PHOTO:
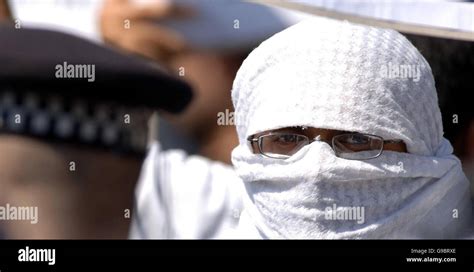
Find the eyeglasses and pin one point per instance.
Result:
(352, 146)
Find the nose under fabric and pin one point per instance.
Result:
(331, 74)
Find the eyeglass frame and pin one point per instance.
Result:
(253, 139)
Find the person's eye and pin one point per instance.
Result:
(358, 139)
(287, 139)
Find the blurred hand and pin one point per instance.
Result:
(5, 14)
(133, 26)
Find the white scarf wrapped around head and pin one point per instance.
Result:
(330, 74)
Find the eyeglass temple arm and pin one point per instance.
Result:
(252, 139)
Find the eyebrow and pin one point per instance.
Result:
(280, 130)
(300, 129)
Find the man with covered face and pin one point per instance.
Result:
(340, 136)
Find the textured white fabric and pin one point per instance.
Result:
(185, 197)
(398, 193)
(328, 74)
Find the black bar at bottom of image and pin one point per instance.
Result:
(65, 255)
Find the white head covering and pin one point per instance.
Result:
(330, 74)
